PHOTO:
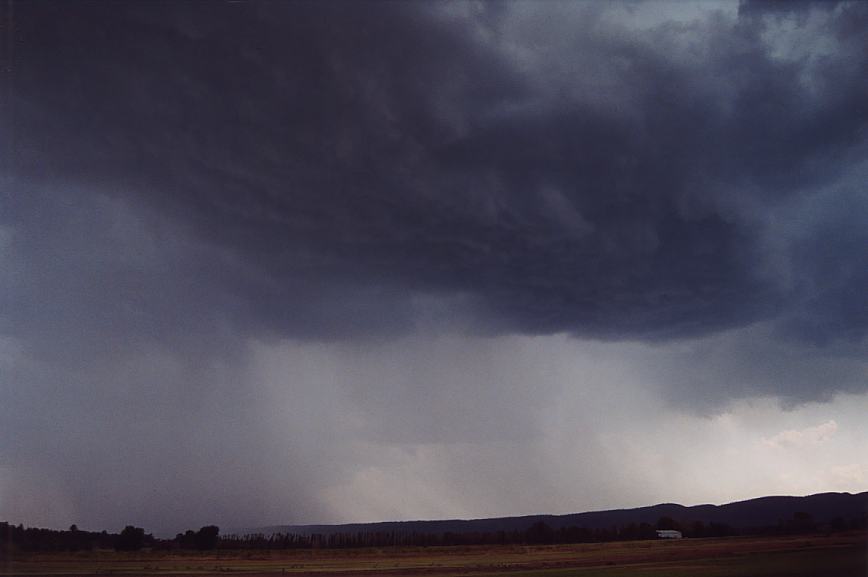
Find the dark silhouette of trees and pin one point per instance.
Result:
(186, 540)
(539, 533)
(18, 538)
(206, 538)
(668, 523)
(130, 539)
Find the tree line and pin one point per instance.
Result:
(538, 533)
(131, 538)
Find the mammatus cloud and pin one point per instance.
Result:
(297, 253)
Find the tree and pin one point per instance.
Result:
(207, 537)
(130, 539)
(802, 522)
(539, 532)
(668, 523)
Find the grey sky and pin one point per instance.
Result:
(305, 262)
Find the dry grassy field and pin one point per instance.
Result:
(844, 555)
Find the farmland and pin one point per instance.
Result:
(840, 555)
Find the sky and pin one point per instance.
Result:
(280, 263)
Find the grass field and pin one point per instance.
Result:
(844, 555)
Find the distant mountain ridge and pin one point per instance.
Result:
(759, 512)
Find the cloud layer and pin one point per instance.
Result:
(553, 169)
(302, 255)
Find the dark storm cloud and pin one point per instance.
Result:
(229, 230)
(404, 151)
(409, 151)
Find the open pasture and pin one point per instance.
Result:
(806, 556)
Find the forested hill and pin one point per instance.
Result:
(761, 512)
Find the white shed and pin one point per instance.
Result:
(669, 534)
